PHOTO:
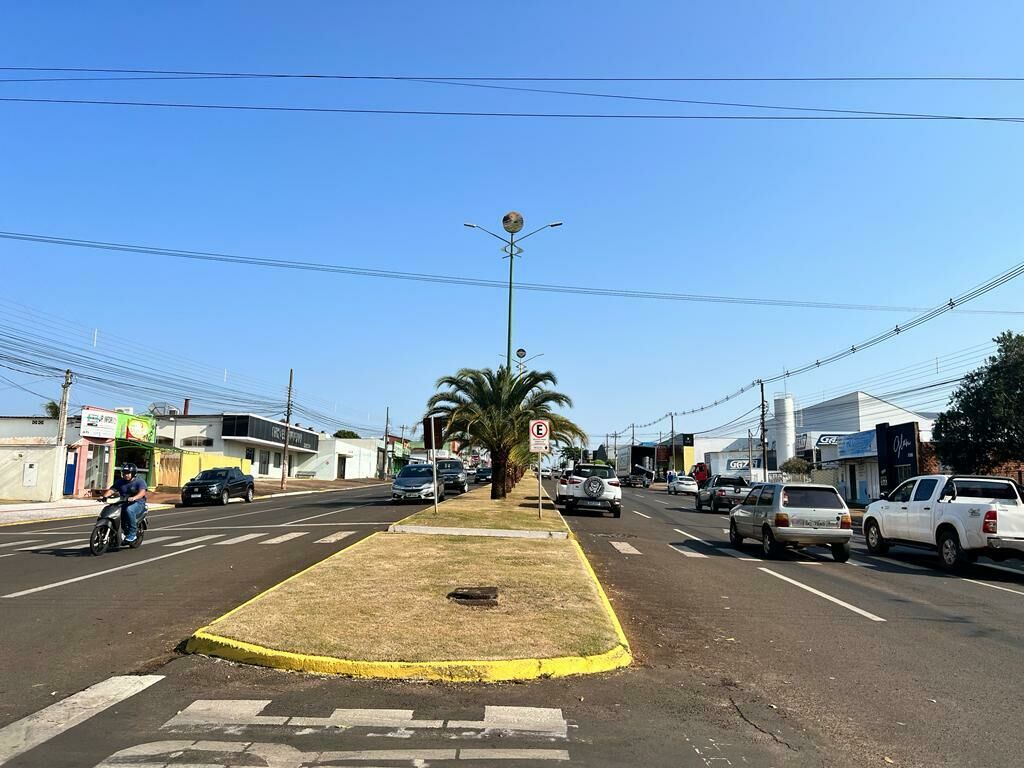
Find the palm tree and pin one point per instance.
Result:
(52, 409)
(492, 410)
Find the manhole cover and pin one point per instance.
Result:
(482, 596)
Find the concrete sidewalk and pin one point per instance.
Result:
(32, 512)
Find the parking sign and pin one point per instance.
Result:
(540, 436)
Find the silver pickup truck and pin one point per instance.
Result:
(721, 492)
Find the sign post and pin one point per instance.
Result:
(540, 443)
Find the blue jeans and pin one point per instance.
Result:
(129, 515)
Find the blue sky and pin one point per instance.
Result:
(905, 213)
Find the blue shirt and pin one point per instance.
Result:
(131, 487)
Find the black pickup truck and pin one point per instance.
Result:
(721, 492)
(218, 486)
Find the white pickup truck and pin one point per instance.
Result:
(960, 516)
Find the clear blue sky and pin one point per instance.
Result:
(868, 212)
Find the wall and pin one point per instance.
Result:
(193, 463)
(12, 462)
(28, 426)
(362, 463)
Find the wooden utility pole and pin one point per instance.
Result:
(672, 425)
(387, 428)
(287, 430)
(750, 454)
(764, 434)
(59, 459)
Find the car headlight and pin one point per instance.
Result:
(426, 486)
(462, 475)
(215, 488)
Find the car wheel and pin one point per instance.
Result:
(877, 545)
(617, 512)
(225, 497)
(465, 488)
(841, 552)
(952, 556)
(249, 495)
(769, 545)
(186, 502)
(714, 507)
(734, 536)
(698, 504)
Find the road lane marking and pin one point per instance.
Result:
(813, 591)
(691, 536)
(641, 514)
(995, 586)
(1004, 568)
(334, 537)
(900, 564)
(227, 517)
(624, 548)
(286, 537)
(725, 517)
(12, 554)
(662, 502)
(16, 543)
(239, 539)
(41, 726)
(685, 552)
(808, 562)
(54, 545)
(314, 517)
(196, 540)
(158, 539)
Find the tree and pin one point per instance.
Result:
(492, 410)
(343, 433)
(983, 428)
(52, 409)
(796, 466)
(569, 453)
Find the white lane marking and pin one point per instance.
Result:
(196, 540)
(286, 537)
(41, 726)
(686, 553)
(662, 502)
(725, 530)
(98, 573)
(900, 564)
(334, 537)
(725, 517)
(158, 539)
(12, 554)
(691, 536)
(16, 543)
(808, 562)
(624, 548)
(54, 545)
(494, 753)
(641, 514)
(995, 586)
(813, 591)
(227, 517)
(239, 539)
(314, 517)
(1004, 568)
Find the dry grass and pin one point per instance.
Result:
(385, 600)
(517, 511)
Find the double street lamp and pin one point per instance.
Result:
(512, 223)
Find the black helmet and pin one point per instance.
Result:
(129, 469)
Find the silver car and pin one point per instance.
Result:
(416, 482)
(793, 515)
(682, 484)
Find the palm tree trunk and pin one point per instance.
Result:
(499, 474)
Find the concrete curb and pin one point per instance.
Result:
(152, 508)
(505, 533)
(205, 641)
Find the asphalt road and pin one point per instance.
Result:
(735, 664)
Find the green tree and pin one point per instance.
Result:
(569, 453)
(983, 426)
(796, 466)
(52, 409)
(343, 433)
(492, 410)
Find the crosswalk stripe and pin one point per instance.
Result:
(16, 543)
(334, 537)
(159, 539)
(240, 539)
(686, 553)
(196, 540)
(54, 545)
(624, 548)
(286, 537)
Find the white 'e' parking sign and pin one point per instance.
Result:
(540, 436)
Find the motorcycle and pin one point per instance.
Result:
(107, 533)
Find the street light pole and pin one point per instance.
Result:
(511, 262)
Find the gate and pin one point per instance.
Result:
(170, 469)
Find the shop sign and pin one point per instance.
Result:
(99, 423)
(828, 440)
(858, 445)
(141, 428)
(897, 453)
(801, 443)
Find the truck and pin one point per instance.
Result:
(959, 516)
(721, 491)
(634, 465)
(218, 486)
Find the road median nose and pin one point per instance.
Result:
(381, 608)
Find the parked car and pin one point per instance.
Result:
(218, 485)
(961, 516)
(454, 475)
(546, 473)
(636, 480)
(416, 482)
(683, 484)
(720, 491)
(562, 487)
(593, 486)
(483, 475)
(793, 515)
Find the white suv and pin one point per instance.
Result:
(593, 486)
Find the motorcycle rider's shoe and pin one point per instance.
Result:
(130, 539)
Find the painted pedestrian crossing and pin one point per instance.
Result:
(285, 537)
(240, 539)
(176, 541)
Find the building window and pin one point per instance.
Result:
(197, 440)
(164, 441)
(264, 462)
(277, 459)
(250, 454)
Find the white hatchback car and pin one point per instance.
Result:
(593, 486)
(683, 484)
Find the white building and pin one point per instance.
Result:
(344, 458)
(28, 457)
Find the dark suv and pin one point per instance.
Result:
(454, 475)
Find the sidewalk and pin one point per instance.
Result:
(384, 607)
(266, 489)
(33, 512)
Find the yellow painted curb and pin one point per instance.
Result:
(206, 642)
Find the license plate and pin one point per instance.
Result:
(590, 503)
(196, 495)
(814, 524)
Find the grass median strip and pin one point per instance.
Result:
(476, 509)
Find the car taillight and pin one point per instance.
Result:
(561, 481)
(846, 522)
(615, 483)
(991, 522)
(781, 520)
(721, 492)
(574, 481)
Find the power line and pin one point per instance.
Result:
(472, 113)
(458, 280)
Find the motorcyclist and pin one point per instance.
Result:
(132, 489)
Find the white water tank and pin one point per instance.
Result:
(785, 429)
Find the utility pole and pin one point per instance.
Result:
(387, 428)
(287, 429)
(59, 461)
(764, 433)
(657, 447)
(672, 425)
(632, 437)
(750, 454)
